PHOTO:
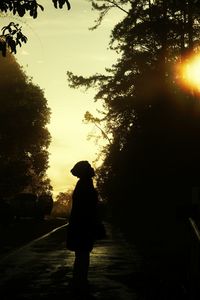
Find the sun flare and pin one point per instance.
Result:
(189, 73)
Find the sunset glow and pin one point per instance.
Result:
(60, 41)
(188, 73)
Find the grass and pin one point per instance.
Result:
(18, 233)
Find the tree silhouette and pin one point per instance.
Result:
(12, 35)
(153, 160)
(24, 137)
(62, 205)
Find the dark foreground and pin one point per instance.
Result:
(43, 270)
(18, 233)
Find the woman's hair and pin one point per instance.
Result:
(82, 169)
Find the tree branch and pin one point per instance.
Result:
(115, 4)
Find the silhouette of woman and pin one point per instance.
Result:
(82, 222)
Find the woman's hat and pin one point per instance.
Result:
(82, 169)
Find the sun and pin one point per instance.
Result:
(188, 73)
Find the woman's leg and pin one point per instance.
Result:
(81, 265)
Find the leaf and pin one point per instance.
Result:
(55, 3)
(21, 11)
(41, 7)
(61, 3)
(68, 5)
(35, 13)
(24, 39)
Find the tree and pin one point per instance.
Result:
(24, 137)
(62, 205)
(152, 162)
(152, 37)
(12, 35)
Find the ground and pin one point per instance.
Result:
(18, 233)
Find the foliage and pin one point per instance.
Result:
(12, 35)
(152, 36)
(64, 198)
(154, 124)
(104, 8)
(62, 205)
(24, 137)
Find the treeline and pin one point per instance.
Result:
(152, 160)
(62, 205)
(24, 137)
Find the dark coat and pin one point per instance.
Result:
(83, 218)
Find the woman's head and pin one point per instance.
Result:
(83, 169)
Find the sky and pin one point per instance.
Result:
(60, 41)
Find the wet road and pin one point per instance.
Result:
(43, 269)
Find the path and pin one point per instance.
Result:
(43, 269)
